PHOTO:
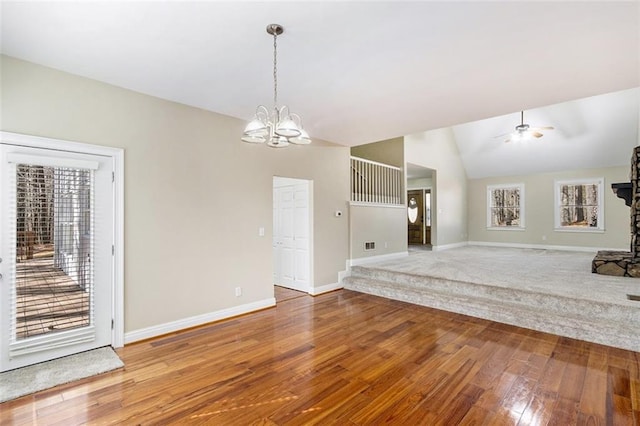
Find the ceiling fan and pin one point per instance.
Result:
(524, 132)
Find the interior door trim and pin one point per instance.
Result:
(117, 155)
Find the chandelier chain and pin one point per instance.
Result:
(275, 70)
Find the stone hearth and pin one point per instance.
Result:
(618, 263)
(625, 263)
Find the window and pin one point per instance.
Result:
(505, 206)
(412, 210)
(579, 205)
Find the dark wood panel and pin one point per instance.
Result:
(350, 358)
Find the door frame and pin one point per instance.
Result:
(117, 155)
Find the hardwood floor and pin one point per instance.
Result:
(283, 294)
(350, 358)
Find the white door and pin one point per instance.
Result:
(284, 239)
(291, 234)
(56, 262)
(301, 242)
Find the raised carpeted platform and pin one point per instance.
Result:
(545, 290)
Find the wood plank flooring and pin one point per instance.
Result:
(283, 294)
(351, 359)
(47, 298)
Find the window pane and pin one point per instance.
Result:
(54, 280)
(578, 205)
(505, 207)
(412, 210)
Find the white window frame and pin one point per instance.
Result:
(599, 181)
(490, 189)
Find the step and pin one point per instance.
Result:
(546, 318)
(625, 312)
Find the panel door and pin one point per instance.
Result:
(291, 242)
(301, 236)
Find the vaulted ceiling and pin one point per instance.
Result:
(598, 131)
(357, 72)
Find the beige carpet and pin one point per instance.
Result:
(564, 273)
(34, 378)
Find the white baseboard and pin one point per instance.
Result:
(325, 288)
(170, 327)
(449, 246)
(379, 258)
(542, 246)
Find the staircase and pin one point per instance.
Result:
(601, 322)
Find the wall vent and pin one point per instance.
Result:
(370, 245)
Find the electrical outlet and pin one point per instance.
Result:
(238, 291)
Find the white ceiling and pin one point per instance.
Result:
(357, 72)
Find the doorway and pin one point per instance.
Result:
(419, 217)
(57, 256)
(292, 233)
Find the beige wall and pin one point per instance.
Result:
(437, 150)
(195, 196)
(390, 151)
(420, 183)
(539, 211)
(386, 226)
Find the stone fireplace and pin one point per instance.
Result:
(625, 263)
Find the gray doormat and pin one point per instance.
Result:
(37, 377)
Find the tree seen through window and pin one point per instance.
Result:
(505, 206)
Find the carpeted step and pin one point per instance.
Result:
(624, 312)
(580, 319)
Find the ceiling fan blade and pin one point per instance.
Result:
(502, 135)
(523, 129)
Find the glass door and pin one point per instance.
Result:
(56, 265)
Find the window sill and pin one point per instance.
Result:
(505, 228)
(579, 230)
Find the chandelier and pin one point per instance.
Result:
(278, 127)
